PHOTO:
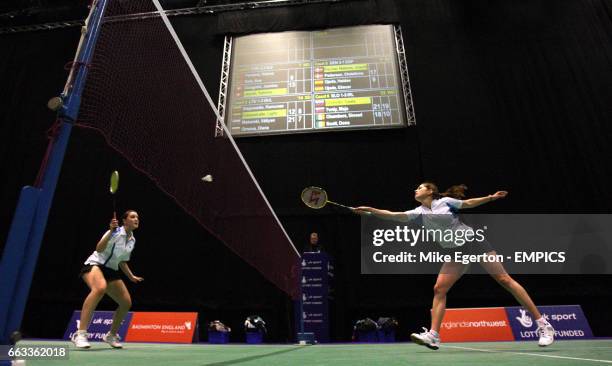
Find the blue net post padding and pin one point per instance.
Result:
(30, 219)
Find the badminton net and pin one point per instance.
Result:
(144, 97)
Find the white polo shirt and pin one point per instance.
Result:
(117, 250)
(435, 217)
(442, 206)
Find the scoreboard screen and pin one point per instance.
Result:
(292, 82)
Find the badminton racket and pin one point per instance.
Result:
(114, 186)
(316, 197)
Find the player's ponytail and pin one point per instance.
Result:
(457, 191)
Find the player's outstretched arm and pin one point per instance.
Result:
(383, 214)
(475, 202)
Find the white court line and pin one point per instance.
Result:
(530, 354)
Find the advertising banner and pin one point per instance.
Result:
(315, 292)
(141, 326)
(99, 326)
(568, 320)
(476, 325)
(162, 327)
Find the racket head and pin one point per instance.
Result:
(314, 197)
(114, 182)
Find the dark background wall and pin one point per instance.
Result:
(508, 95)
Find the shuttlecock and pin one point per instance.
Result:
(207, 178)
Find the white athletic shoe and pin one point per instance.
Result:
(547, 335)
(113, 340)
(426, 339)
(79, 338)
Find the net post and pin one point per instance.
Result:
(28, 227)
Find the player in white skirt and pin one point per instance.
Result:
(435, 203)
(101, 274)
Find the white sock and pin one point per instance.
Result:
(541, 322)
(434, 333)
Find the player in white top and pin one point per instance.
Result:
(435, 203)
(101, 274)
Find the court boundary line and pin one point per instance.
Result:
(529, 354)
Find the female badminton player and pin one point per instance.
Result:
(435, 203)
(101, 274)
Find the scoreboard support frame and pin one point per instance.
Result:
(403, 67)
(225, 76)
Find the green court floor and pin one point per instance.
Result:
(561, 353)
